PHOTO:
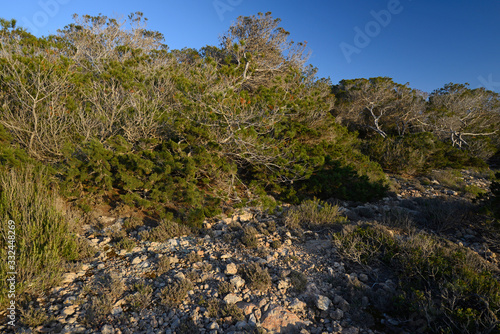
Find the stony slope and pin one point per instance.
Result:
(204, 283)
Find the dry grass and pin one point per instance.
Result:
(165, 230)
(313, 214)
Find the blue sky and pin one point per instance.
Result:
(423, 42)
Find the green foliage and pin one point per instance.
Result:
(148, 178)
(174, 293)
(342, 182)
(225, 288)
(453, 287)
(418, 153)
(10, 155)
(42, 239)
(298, 280)
(257, 278)
(249, 237)
(313, 214)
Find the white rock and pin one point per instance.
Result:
(241, 324)
(232, 298)
(213, 325)
(69, 310)
(252, 321)
(237, 281)
(231, 269)
(297, 305)
(107, 329)
(68, 278)
(323, 302)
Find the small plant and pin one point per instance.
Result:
(126, 243)
(474, 190)
(193, 275)
(165, 230)
(174, 293)
(258, 278)
(365, 244)
(449, 178)
(298, 280)
(225, 288)
(164, 265)
(131, 223)
(271, 226)
(193, 257)
(233, 311)
(442, 214)
(312, 214)
(249, 238)
(142, 297)
(188, 327)
(110, 287)
(275, 244)
(33, 317)
(213, 307)
(290, 259)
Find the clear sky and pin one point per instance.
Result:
(424, 42)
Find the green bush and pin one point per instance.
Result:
(451, 287)
(249, 237)
(44, 239)
(175, 293)
(313, 214)
(417, 153)
(257, 278)
(152, 179)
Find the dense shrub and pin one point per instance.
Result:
(43, 236)
(313, 214)
(418, 153)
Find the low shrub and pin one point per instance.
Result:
(298, 280)
(453, 288)
(225, 288)
(166, 229)
(104, 292)
(164, 265)
(257, 278)
(334, 180)
(249, 237)
(442, 214)
(142, 297)
(40, 235)
(174, 293)
(417, 153)
(313, 214)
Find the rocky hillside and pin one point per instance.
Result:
(292, 271)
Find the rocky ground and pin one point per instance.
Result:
(204, 284)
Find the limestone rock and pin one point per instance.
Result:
(279, 320)
(231, 269)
